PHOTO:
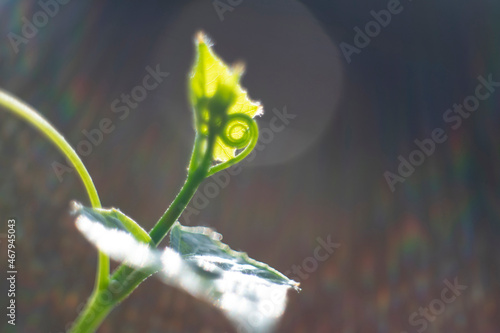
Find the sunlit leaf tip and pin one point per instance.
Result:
(221, 106)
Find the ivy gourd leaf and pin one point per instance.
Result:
(112, 218)
(250, 293)
(216, 93)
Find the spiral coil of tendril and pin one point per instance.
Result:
(236, 132)
(239, 131)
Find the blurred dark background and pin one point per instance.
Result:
(321, 176)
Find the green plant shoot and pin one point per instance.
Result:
(197, 261)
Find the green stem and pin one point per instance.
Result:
(193, 181)
(97, 308)
(25, 112)
(100, 304)
(174, 211)
(20, 109)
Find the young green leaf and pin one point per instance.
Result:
(250, 293)
(118, 236)
(111, 218)
(221, 106)
(203, 244)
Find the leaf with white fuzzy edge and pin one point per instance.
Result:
(115, 234)
(112, 218)
(250, 293)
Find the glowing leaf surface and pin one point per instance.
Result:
(250, 293)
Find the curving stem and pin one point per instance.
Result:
(25, 112)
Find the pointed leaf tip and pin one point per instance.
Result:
(216, 93)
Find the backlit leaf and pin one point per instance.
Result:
(216, 93)
(250, 293)
(111, 218)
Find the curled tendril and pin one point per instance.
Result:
(236, 131)
(239, 131)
